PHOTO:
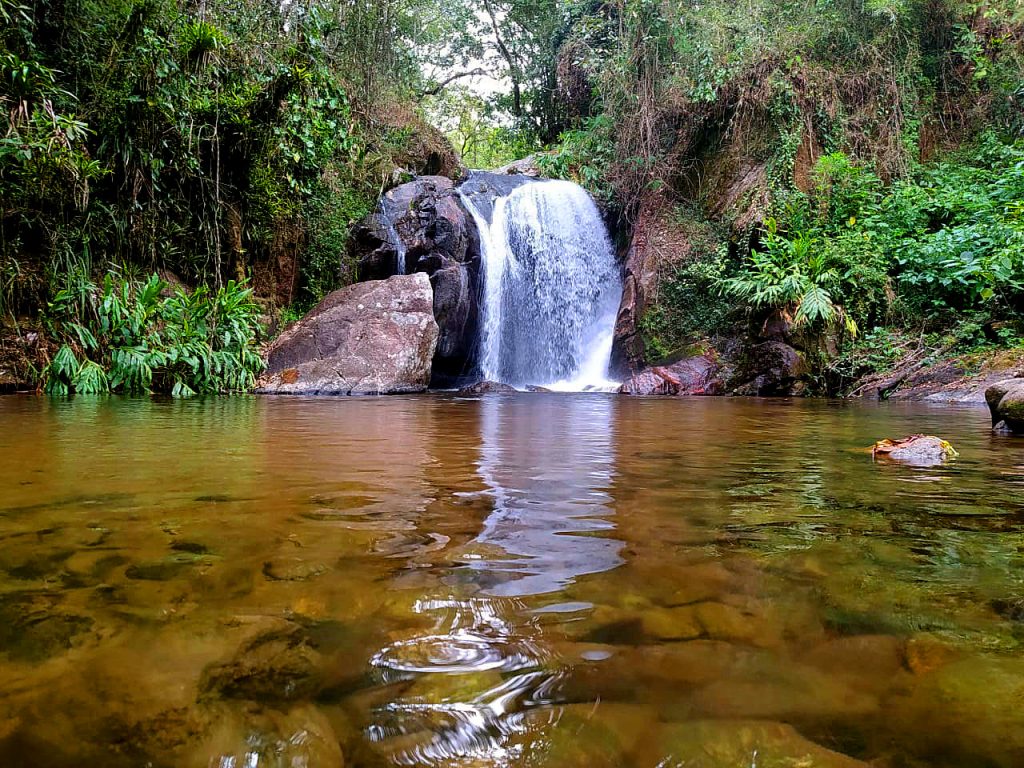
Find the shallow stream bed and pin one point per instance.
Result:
(509, 580)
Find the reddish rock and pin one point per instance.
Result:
(689, 376)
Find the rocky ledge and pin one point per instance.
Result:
(370, 338)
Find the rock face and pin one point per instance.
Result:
(690, 376)
(771, 368)
(376, 337)
(1005, 401)
(422, 226)
(639, 279)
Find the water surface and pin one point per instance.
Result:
(512, 580)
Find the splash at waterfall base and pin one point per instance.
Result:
(526, 291)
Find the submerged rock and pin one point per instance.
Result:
(276, 663)
(733, 743)
(916, 449)
(690, 376)
(965, 713)
(369, 338)
(1005, 401)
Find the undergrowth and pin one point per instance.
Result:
(141, 337)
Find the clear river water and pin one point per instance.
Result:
(510, 580)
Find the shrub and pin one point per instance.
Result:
(135, 338)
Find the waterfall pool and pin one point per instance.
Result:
(518, 580)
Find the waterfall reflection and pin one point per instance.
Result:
(473, 683)
(548, 462)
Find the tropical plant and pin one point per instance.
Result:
(141, 337)
(792, 274)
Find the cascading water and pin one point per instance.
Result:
(551, 288)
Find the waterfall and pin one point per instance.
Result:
(551, 288)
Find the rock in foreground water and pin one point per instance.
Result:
(1005, 401)
(369, 338)
(732, 743)
(916, 449)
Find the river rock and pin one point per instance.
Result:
(965, 713)
(486, 388)
(771, 368)
(921, 450)
(275, 663)
(690, 376)
(1005, 401)
(733, 743)
(376, 337)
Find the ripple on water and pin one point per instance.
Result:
(470, 679)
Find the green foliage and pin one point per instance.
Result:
(791, 273)
(583, 156)
(688, 308)
(140, 337)
(157, 136)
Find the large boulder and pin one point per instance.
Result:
(696, 375)
(420, 224)
(1005, 401)
(769, 369)
(376, 337)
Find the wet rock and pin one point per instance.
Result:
(1005, 401)
(734, 743)
(35, 627)
(486, 388)
(275, 663)
(369, 338)
(921, 450)
(292, 569)
(421, 221)
(456, 315)
(965, 713)
(696, 375)
(536, 388)
(424, 225)
(769, 369)
(639, 281)
(484, 187)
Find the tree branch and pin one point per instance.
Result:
(438, 87)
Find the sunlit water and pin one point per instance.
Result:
(512, 580)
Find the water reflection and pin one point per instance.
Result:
(549, 469)
(547, 465)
